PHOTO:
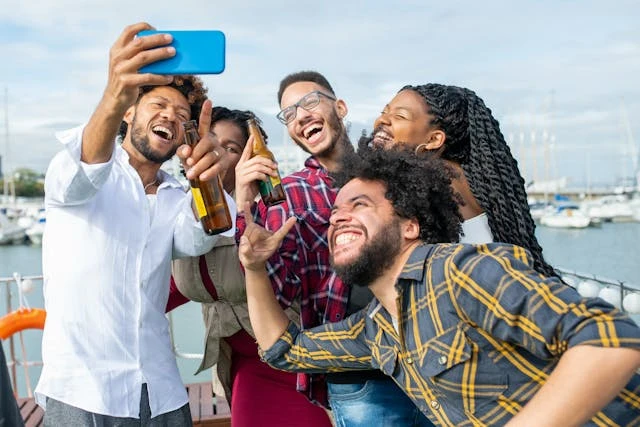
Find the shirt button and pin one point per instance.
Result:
(442, 360)
(409, 360)
(435, 404)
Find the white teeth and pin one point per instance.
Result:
(345, 238)
(382, 135)
(163, 129)
(308, 130)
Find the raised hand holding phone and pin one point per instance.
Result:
(126, 56)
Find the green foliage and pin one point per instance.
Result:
(28, 183)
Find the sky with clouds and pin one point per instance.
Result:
(556, 74)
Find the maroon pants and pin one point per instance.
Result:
(263, 396)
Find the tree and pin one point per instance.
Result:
(28, 183)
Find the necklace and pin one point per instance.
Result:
(151, 184)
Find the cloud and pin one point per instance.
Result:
(575, 63)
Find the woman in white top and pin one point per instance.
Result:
(455, 124)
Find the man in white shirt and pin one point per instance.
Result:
(114, 222)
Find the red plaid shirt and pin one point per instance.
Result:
(300, 269)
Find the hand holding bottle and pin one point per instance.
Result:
(271, 189)
(249, 171)
(208, 196)
(204, 160)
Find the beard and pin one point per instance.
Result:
(140, 141)
(339, 136)
(375, 258)
(365, 143)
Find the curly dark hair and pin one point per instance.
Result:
(191, 87)
(304, 76)
(474, 140)
(416, 187)
(239, 118)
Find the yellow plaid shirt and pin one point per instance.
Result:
(479, 333)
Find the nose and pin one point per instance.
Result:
(339, 216)
(301, 113)
(169, 113)
(383, 119)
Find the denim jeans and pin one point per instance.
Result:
(378, 402)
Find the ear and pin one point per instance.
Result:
(341, 108)
(411, 229)
(435, 140)
(128, 116)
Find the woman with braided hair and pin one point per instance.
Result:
(455, 124)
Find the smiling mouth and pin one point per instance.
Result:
(163, 132)
(346, 238)
(310, 131)
(381, 137)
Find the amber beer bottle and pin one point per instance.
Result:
(271, 191)
(208, 196)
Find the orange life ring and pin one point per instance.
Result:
(21, 319)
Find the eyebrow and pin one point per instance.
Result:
(400, 108)
(167, 100)
(352, 200)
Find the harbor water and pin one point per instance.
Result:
(611, 251)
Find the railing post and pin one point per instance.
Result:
(12, 350)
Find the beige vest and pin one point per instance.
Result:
(227, 315)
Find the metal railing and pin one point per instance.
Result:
(12, 361)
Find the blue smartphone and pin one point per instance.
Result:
(197, 52)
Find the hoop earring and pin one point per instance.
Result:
(420, 149)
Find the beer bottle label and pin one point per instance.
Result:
(275, 181)
(199, 202)
(267, 187)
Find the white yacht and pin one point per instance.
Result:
(567, 216)
(10, 232)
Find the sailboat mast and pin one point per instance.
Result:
(5, 174)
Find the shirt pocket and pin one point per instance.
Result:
(461, 377)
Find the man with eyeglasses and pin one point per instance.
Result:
(300, 269)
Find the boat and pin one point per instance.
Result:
(10, 232)
(615, 208)
(36, 230)
(539, 209)
(566, 216)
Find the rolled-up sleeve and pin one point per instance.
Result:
(331, 347)
(68, 180)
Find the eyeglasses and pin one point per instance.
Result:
(307, 102)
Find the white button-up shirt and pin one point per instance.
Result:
(106, 266)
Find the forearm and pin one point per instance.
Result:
(331, 347)
(585, 380)
(268, 319)
(101, 131)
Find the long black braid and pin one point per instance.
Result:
(474, 139)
